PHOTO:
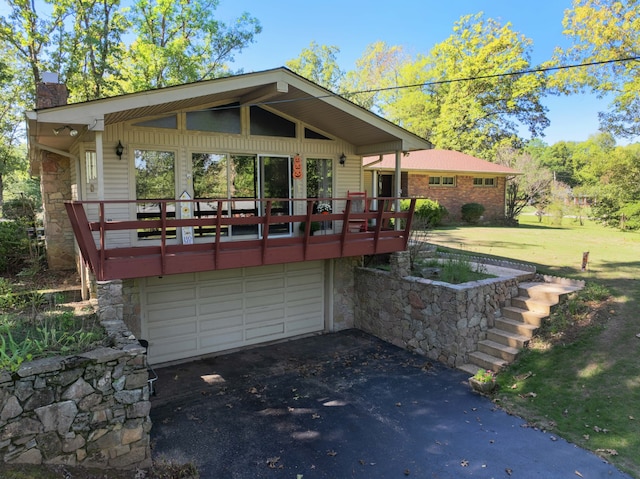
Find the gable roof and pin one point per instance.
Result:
(437, 161)
(282, 90)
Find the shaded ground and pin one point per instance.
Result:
(346, 405)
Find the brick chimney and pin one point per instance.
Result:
(50, 93)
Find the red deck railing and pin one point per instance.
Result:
(229, 234)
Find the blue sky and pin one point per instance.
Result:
(291, 25)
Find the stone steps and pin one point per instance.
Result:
(519, 321)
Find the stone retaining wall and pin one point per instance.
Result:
(439, 320)
(91, 409)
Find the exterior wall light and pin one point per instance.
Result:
(72, 131)
(119, 150)
(343, 159)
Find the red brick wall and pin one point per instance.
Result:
(453, 197)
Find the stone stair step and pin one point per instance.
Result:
(472, 369)
(485, 361)
(508, 338)
(519, 314)
(517, 327)
(498, 350)
(529, 304)
(546, 291)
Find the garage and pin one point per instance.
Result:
(200, 313)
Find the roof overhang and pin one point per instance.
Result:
(280, 90)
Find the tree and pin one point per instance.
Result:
(29, 34)
(483, 112)
(319, 64)
(90, 55)
(180, 42)
(603, 30)
(531, 187)
(12, 155)
(376, 70)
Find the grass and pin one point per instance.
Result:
(32, 327)
(581, 378)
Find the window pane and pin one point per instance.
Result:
(222, 119)
(244, 178)
(155, 174)
(91, 166)
(155, 180)
(263, 122)
(448, 180)
(489, 181)
(477, 182)
(209, 175)
(434, 180)
(319, 178)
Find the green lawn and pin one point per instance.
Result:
(586, 390)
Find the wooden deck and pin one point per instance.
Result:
(165, 254)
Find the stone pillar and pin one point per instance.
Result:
(400, 263)
(55, 185)
(344, 292)
(110, 300)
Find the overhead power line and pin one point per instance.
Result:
(498, 75)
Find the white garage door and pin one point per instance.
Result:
(192, 314)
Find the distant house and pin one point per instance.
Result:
(182, 206)
(450, 177)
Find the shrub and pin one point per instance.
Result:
(472, 212)
(14, 246)
(428, 210)
(20, 208)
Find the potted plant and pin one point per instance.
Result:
(323, 208)
(484, 381)
(315, 226)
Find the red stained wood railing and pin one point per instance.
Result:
(154, 246)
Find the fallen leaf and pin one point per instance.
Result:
(611, 452)
(315, 415)
(464, 463)
(586, 437)
(272, 462)
(577, 473)
(407, 472)
(508, 471)
(631, 418)
(553, 438)
(332, 453)
(398, 404)
(522, 377)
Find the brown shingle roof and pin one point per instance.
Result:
(437, 160)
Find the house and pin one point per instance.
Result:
(189, 209)
(449, 177)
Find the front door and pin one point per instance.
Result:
(275, 174)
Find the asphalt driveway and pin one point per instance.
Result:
(347, 405)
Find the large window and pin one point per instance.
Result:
(319, 178)
(155, 180)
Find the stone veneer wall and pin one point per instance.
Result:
(343, 293)
(91, 409)
(439, 320)
(55, 186)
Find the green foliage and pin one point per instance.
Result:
(599, 31)
(630, 216)
(20, 208)
(32, 328)
(471, 212)
(474, 117)
(14, 246)
(430, 211)
(319, 64)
